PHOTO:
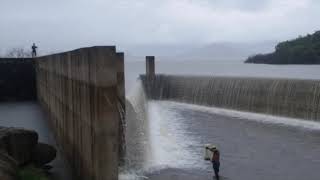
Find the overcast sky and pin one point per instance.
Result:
(65, 24)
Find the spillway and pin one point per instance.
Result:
(170, 118)
(282, 97)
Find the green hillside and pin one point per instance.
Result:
(303, 50)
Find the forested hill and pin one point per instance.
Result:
(303, 50)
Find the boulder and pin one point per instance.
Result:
(8, 167)
(43, 154)
(18, 143)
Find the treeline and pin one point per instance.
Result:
(303, 50)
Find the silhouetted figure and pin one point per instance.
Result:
(34, 50)
(215, 161)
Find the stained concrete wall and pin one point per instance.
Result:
(17, 79)
(282, 97)
(83, 91)
(150, 65)
(121, 104)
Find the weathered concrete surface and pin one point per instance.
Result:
(121, 104)
(283, 97)
(150, 65)
(81, 92)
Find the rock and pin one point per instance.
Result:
(8, 167)
(47, 167)
(18, 143)
(43, 154)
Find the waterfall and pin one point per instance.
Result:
(136, 132)
(283, 97)
(154, 136)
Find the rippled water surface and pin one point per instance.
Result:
(258, 147)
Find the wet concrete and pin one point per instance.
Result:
(30, 115)
(249, 149)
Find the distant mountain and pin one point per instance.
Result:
(303, 50)
(162, 51)
(229, 51)
(214, 51)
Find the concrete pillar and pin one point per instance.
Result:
(150, 66)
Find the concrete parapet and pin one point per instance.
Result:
(82, 90)
(150, 66)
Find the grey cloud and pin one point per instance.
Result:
(245, 5)
(66, 24)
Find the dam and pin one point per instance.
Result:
(82, 94)
(111, 122)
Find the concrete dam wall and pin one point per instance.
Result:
(17, 79)
(83, 92)
(282, 97)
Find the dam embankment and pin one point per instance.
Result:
(281, 97)
(83, 93)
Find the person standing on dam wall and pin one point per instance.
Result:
(34, 50)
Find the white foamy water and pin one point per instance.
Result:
(156, 140)
(170, 140)
(160, 139)
(263, 118)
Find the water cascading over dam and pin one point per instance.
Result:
(169, 118)
(137, 128)
(282, 97)
(157, 138)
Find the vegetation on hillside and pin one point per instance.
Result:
(17, 53)
(303, 50)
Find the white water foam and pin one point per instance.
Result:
(263, 118)
(169, 143)
(169, 139)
